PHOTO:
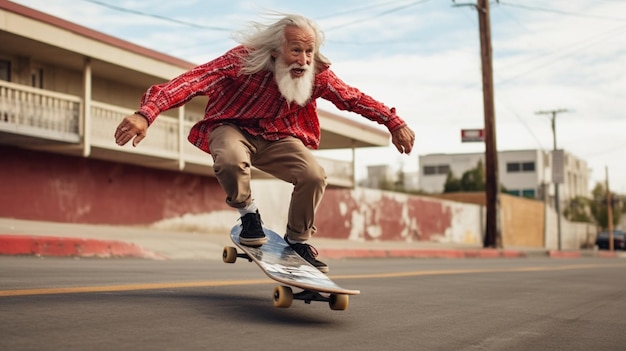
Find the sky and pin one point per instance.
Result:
(423, 57)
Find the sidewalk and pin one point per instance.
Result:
(49, 239)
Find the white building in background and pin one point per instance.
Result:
(525, 173)
(378, 176)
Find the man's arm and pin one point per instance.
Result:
(201, 80)
(351, 99)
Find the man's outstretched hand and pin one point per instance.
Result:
(403, 139)
(131, 127)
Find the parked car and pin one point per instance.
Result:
(602, 240)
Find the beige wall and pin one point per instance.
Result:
(522, 222)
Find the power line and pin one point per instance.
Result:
(355, 10)
(566, 13)
(380, 14)
(163, 18)
(561, 53)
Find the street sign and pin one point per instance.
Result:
(472, 135)
(558, 167)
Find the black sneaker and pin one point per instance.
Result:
(309, 253)
(252, 230)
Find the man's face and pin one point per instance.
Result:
(294, 65)
(298, 50)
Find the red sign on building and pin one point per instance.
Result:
(472, 135)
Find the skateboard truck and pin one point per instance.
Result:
(230, 254)
(283, 296)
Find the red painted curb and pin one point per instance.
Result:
(74, 247)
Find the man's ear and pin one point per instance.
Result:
(275, 53)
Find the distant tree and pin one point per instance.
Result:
(452, 184)
(400, 180)
(471, 180)
(599, 208)
(579, 210)
(474, 179)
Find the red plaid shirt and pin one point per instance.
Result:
(254, 103)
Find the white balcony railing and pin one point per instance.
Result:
(38, 113)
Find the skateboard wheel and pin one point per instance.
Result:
(339, 302)
(229, 255)
(283, 296)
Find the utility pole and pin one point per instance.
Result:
(555, 181)
(492, 188)
(492, 184)
(609, 210)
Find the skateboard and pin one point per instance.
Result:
(281, 263)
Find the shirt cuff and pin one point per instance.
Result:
(395, 122)
(149, 111)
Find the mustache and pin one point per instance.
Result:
(298, 66)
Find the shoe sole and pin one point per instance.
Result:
(254, 242)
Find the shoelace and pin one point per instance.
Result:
(313, 251)
(250, 223)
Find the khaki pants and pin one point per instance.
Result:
(235, 151)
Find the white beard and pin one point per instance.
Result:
(294, 89)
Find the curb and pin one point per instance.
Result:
(48, 246)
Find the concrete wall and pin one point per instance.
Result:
(530, 223)
(53, 187)
(372, 215)
(573, 235)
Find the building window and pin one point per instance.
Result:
(527, 193)
(514, 167)
(36, 78)
(436, 169)
(5, 70)
(528, 167)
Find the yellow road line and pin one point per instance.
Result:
(130, 287)
(218, 283)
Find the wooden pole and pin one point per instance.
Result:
(609, 210)
(492, 232)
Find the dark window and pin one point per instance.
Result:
(512, 167)
(528, 167)
(36, 78)
(5, 70)
(437, 169)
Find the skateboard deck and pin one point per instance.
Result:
(281, 263)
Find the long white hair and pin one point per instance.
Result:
(262, 40)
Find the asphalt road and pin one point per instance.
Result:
(405, 304)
